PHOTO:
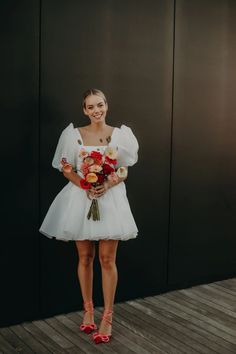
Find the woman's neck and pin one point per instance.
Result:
(98, 127)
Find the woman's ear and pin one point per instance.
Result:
(85, 112)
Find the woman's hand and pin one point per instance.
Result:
(99, 191)
(66, 167)
(91, 193)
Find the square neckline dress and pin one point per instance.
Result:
(66, 218)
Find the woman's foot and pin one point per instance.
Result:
(104, 333)
(88, 324)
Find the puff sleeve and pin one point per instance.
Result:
(66, 147)
(127, 147)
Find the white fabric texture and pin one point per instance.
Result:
(66, 218)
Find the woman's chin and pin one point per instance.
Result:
(99, 120)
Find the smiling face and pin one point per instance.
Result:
(95, 108)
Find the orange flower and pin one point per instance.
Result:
(91, 178)
(83, 153)
(89, 160)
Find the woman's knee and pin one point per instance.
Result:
(86, 259)
(106, 261)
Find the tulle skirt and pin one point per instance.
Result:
(67, 219)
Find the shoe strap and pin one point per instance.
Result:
(105, 315)
(90, 304)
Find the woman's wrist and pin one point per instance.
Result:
(111, 183)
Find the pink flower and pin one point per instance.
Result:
(83, 153)
(95, 168)
(113, 177)
(84, 168)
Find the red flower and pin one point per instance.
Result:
(84, 184)
(113, 162)
(101, 178)
(107, 169)
(96, 155)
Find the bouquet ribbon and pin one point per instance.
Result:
(94, 210)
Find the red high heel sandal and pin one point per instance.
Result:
(103, 338)
(88, 307)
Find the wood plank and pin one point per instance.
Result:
(110, 347)
(223, 330)
(6, 347)
(202, 299)
(228, 283)
(125, 337)
(54, 335)
(44, 339)
(232, 281)
(206, 310)
(205, 328)
(217, 300)
(15, 341)
(147, 329)
(220, 294)
(194, 331)
(180, 340)
(78, 339)
(223, 288)
(191, 338)
(146, 346)
(200, 319)
(26, 337)
(137, 328)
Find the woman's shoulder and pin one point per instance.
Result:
(68, 133)
(126, 130)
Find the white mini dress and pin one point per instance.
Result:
(66, 218)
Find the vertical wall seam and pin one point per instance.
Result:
(39, 150)
(171, 147)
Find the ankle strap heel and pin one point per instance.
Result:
(105, 315)
(88, 328)
(103, 338)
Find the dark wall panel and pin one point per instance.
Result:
(19, 250)
(203, 203)
(125, 49)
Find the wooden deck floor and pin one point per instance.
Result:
(201, 319)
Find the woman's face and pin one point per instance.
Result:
(95, 108)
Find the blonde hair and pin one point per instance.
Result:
(91, 92)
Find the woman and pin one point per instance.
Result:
(68, 216)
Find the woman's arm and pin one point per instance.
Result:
(70, 174)
(101, 190)
(110, 183)
(73, 177)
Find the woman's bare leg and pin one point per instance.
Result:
(107, 257)
(86, 253)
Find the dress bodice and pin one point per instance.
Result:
(70, 143)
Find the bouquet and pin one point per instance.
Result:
(96, 169)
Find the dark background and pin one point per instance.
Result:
(168, 70)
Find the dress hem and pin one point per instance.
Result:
(120, 238)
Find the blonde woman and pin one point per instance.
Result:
(67, 218)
